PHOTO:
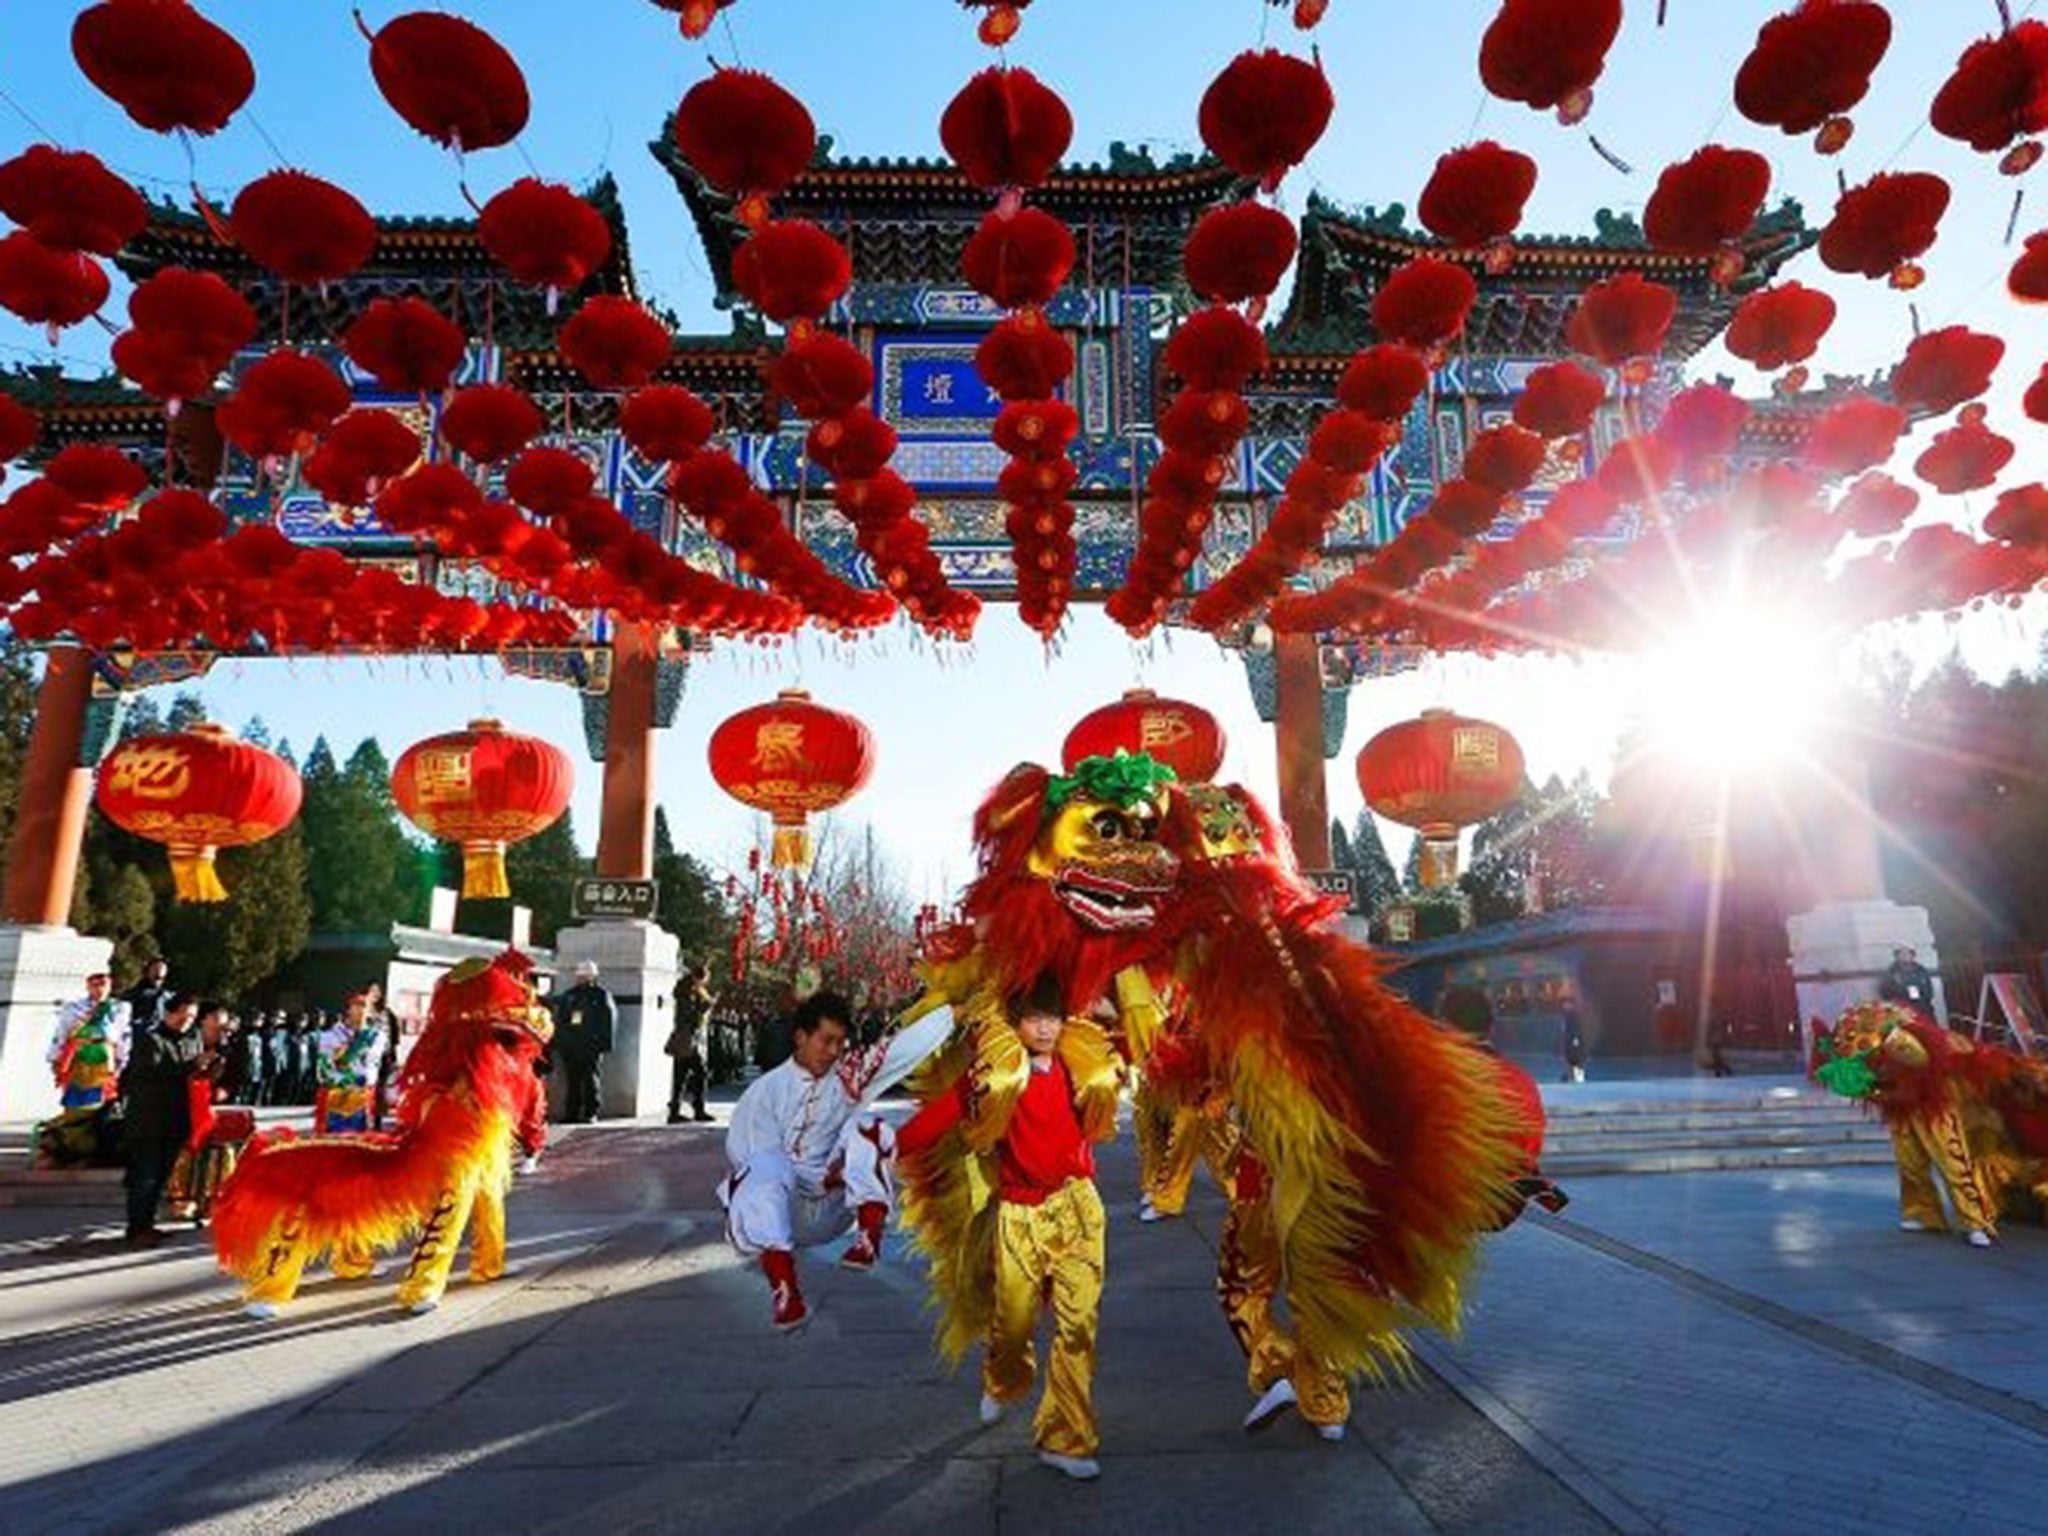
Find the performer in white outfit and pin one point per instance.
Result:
(808, 1162)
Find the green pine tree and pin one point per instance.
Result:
(692, 906)
(17, 719)
(1378, 885)
(1341, 856)
(186, 711)
(116, 900)
(363, 867)
(228, 949)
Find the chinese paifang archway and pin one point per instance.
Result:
(1009, 375)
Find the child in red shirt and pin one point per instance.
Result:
(1036, 1090)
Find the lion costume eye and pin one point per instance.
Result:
(1107, 825)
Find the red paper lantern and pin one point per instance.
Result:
(434, 501)
(449, 79)
(544, 235)
(1877, 506)
(69, 201)
(822, 375)
(1637, 468)
(1505, 459)
(1424, 302)
(549, 481)
(1437, 774)
(614, 342)
(1964, 458)
(490, 422)
(198, 790)
(1708, 201)
(1560, 400)
(666, 423)
(1780, 325)
(484, 788)
(1024, 357)
(19, 428)
(1999, 91)
(283, 401)
(48, 287)
(1006, 129)
(1853, 436)
(1476, 194)
(1263, 114)
(163, 63)
(98, 477)
(1943, 368)
(2028, 280)
(790, 758)
(1465, 507)
(1018, 257)
(746, 136)
(1185, 737)
(791, 269)
(1622, 318)
(1879, 227)
(359, 452)
(1703, 424)
(406, 344)
(1811, 65)
(1548, 53)
(2019, 516)
(1383, 381)
(1239, 252)
(1216, 348)
(305, 230)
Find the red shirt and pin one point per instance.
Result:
(1041, 1148)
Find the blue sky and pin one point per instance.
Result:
(876, 75)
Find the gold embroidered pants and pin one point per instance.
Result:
(1197, 1134)
(1049, 1253)
(1923, 1146)
(1248, 1276)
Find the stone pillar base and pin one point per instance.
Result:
(40, 968)
(637, 962)
(1840, 951)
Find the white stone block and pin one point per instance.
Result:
(637, 963)
(40, 968)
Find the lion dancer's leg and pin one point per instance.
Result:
(426, 1278)
(353, 1261)
(1167, 1194)
(1151, 1124)
(1949, 1146)
(487, 1234)
(284, 1260)
(1248, 1276)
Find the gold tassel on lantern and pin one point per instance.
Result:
(193, 877)
(791, 848)
(1439, 862)
(483, 870)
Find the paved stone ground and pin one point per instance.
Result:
(1726, 1352)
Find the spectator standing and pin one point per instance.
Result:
(277, 1045)
(1572, 1044)
(687, 1047)
(252, 1047)
(584, 1016)
(90, 1045)
(1907, 981)
(148, 999)
(161, 1065)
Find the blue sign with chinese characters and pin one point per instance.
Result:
(938, 384)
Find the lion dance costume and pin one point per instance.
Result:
(1375, 1147)
(467, 1089)
(1976, 1114)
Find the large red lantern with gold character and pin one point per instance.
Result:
(1437, 774)
(791, 757)
(197, 790)
(483, 788)
(1183, 736)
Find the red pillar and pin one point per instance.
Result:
(625, 838)
(1298, 728)
(49, 821)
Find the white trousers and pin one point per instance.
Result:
(772, 1203)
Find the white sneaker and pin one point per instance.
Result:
(1273, 1402)
(1331, 1432)
(1152, 1213)
(1082, 1469)
(529, 1164)
(1979, 1239)
(422, 1308)
(991, 1411)
(1145, 1212)
(1910, 1225)
(261, 1311)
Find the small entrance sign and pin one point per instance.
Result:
(1335, 882)
(596, 897)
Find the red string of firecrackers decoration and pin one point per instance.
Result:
(1007, 130)
(1261, 116)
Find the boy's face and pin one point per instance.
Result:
(1040, 1032)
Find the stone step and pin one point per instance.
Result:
(1760, 1136)
(1714, 1159)
(1562, 1104)
(21, 1186)
(1702, 1122)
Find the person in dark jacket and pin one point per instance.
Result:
(584, 1016)
(158, 1117)
(252, 1058)
(149, 998)
(686, 1043)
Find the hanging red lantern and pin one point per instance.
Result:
(1998, 93)
(1621, 319)
(198, 790)
(1383, 381)
(694, 16)
(1424, 302)
(19, 428)
(305, 230)
(1505, 459)
(1811, 65)
(1264, 112)
(1239, 252)
(1018, 257)
(746, 136)
(163, 63)
(484, 788)
(666, 423)
(1024, 357)
(194, 313)
(615, 342)
(791, 269)
(1437, 774)
(1476, 194)
(490, 422)
(790, 758)
(2019, 516)
(1964, 458)
(1549, 53)
(69, 201)
(1856, 435)
(358, 453)
(406, 344)
(1006, 130)
(549, 481)
(98, 477)
(1879, 227)
(1877, 506)
(449, 79)
(283, 401)
(1704, 204)
(544, 235)
(1942, 369)
(1777, 326)
(2028, 280)
(1560, 400)
(1216, 348)
(1185, 737)
(48, 287)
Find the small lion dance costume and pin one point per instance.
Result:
(1977, 1113)
(467, 1089)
